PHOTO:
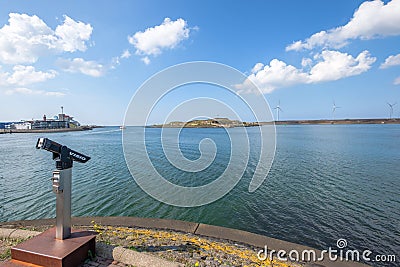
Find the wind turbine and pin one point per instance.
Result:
(334, 109)
(391, 109)
(278, 108)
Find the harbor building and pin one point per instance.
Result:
(57, 122)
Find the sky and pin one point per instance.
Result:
(91, 57)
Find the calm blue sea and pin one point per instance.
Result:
(327, 182)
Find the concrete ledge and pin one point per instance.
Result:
(141, 259)
(156, 223)
(261, 241)
(246, 237)
(24, 223)
(131, 257)
(17, 233)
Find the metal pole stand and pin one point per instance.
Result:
(62, 188)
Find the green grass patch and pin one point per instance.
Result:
(5, 247)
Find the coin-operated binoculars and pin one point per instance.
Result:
(61, 179)
(58, 246)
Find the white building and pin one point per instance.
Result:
(22, 126)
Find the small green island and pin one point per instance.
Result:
(207, 123)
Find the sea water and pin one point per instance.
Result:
(327, 182)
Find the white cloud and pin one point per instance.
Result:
(24, 75)
(53, 93)
(126, 54)
(161, 37)
(334, 65)
(116, 60)
(27, 91)
(73, 35)
(396, 81)
(257, 67)
(327, 66)
(25, 38)
(391, 61)
(79, 65)
(373, 19)
(276, 74)
(146, 60)
(3, 77)
(306, 62)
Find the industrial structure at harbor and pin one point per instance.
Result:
(61, 121)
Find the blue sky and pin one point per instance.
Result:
(92, 56)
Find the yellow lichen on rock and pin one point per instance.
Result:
(165, 243)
